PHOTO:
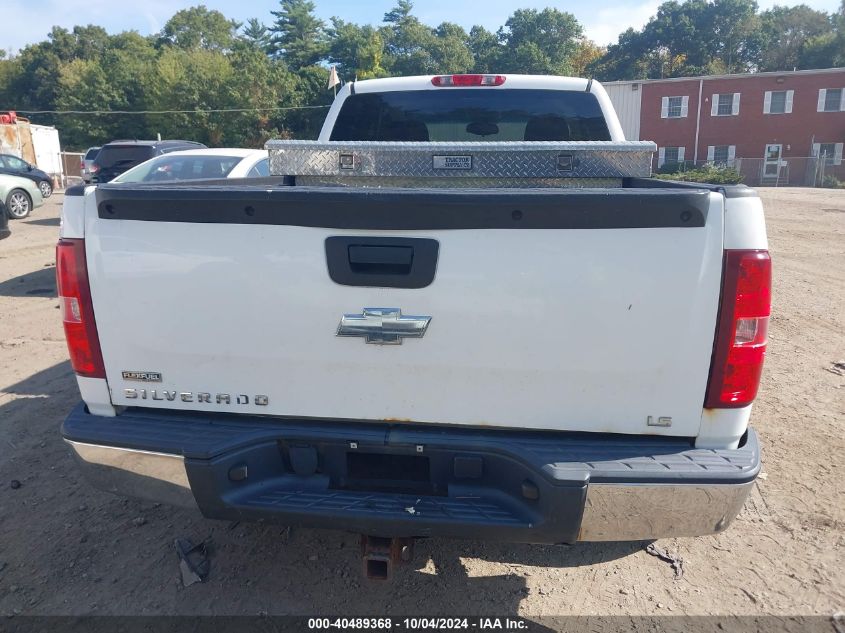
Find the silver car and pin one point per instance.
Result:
(21, 195)
(86, 161)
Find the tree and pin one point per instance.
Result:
(587, 53)
(256, 35)
(83, 85)
(624, 60)
(197, 27)
(825, 50)
(356, 51)
(689, 38)
(410, 43)
(298, 36)
(785, 31)
(186, 80)
(485, 49)
(540, 41)
(450, 52)
(310, 90)
(734, 31)
(32, 82)
(128, 63)
(259, 83)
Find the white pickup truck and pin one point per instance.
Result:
(466, 311)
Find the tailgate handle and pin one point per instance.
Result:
(382, 262)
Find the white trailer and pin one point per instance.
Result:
(37, 144)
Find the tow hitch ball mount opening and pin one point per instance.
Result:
(380, 554)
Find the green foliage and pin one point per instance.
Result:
(256, 36)
(485, 49)
(788, 34)
(310, 90)
(724, 36)
(449, 50)
(357, 51)
(197, 27)
(710, 174)
(540, 42)
(409, 43)
(832, 182)
(298, 36)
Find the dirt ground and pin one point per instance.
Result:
(66, 548)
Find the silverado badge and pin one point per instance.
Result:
(383, 326)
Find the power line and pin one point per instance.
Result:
(195, 111)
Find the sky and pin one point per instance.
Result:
(28, 21)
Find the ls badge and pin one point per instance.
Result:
(383, 326)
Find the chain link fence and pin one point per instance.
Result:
(792, 171)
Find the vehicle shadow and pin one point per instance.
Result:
(39, 283)
(45, 222)
(53, 381)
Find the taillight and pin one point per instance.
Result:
(94, 168)
(77, 309)
(457, 81)
(741, 333)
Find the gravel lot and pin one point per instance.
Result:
(66, 548)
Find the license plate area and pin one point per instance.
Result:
(383, 472)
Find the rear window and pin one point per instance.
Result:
(91, 153)
(471, 115)
(123, 155)
(166, 168)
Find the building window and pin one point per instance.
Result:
(670, 156)
(778, 102)
(674, 107)
(723, 155)
(831, 100)
(725, 104)
(831, 153)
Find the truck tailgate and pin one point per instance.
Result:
(582, 310)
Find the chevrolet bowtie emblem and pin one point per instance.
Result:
(383, 326)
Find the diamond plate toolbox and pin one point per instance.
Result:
(476, 161)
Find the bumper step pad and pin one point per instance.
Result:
(386, 506)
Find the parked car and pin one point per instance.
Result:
(86, 161)
(21, 195)
(14, 166)
(194, 164)
(119, 156)
(433, 334)
(5, 231)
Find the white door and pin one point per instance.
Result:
(771, 160)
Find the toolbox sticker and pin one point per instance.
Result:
(452, 162)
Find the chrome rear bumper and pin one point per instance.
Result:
(634, 512)
(134, 473)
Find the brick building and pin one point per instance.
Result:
(777, 128)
